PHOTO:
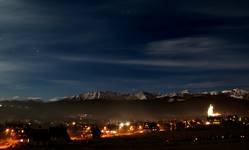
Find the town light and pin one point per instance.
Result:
(127, 123)
(121, 125)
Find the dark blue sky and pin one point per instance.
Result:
(54, 48)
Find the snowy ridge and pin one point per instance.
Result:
(142, 95)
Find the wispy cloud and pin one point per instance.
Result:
(54, 99)
(208, 64)
(6, 66)
(67, 82)
(206, 84)
(211, 63)
(184, 45)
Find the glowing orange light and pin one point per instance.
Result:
(7, 130)
(131, 128)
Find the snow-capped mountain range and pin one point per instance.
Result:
(141, 95)
(109, 95)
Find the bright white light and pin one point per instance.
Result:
(207, 123)
(210, 111)
(127, 123)
(121, 125)
(114, 132)
(73, 123)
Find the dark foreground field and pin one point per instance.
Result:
(123, 146)
(146, 142)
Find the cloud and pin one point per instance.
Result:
(6, 66)
(20, 98)
(208, 63)
(34, 98)
(54, 99)
(184, 45)
(206, 84)
(228, 8)
(15, 97)
(67, 82)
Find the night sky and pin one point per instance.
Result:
(52, 48)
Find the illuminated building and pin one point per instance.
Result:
(213, 118)
(211, 113)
